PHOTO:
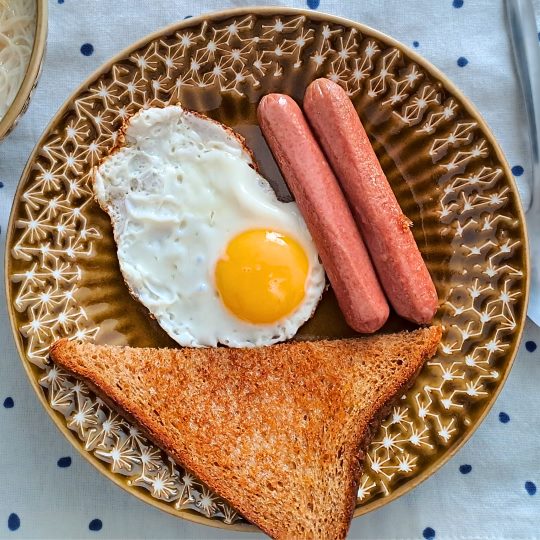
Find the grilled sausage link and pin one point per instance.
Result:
(325, 212)
(385, 229)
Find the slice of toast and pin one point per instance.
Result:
(280, 432)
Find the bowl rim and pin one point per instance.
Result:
(32, 73)
(318, 16)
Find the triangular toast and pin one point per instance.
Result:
(278, 431)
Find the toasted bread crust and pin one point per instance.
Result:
(76, 358)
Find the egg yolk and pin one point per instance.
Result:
(261, 276)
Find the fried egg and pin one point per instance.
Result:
(202, 240)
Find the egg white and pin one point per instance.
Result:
(178, 190)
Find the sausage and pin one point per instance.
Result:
(385, 229)
(326, 213)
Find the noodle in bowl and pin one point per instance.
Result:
(17, 29)
(23, 26)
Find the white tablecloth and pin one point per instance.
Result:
(488, 490)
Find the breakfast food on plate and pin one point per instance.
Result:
(17, 28)
(325, 211)
(384, 227)
(202, 240)
(280, 432)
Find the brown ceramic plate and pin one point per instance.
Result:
(442, 161)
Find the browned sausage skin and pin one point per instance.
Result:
(383, 225)
(325, 212)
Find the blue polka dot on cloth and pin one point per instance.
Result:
(530, 346)
(530, 487)
(457, 3)
(504, 418)
(517, 170)
(313, 4)
(462, 61)
(416, 44)
(1, 185)
(95, 525)
(64, 462)
(87, 49)
(428, 533)
(9, 403)
(14, 522)
(465, 469)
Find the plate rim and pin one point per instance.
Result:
(269, 11)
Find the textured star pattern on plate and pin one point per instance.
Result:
(234, 57)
